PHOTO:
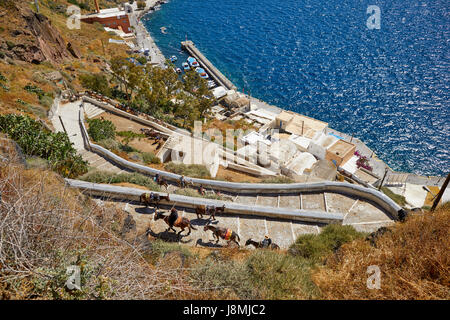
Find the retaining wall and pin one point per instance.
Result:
(165, 131)
(383, 201)
(132, 194)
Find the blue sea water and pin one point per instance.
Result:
(389, 87)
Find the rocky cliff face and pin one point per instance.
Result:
(31, 38)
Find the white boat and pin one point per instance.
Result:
(202, 73)
(193, 62)
(185, 66)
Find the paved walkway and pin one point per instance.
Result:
(68, 114)
(361, 215)
(144, 40)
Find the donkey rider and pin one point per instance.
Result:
(266, 242)
(182, 182)
(173, 217)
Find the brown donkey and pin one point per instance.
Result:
(152, 198)
(211, 210)
(258, 245)
(224, 233)
(181, 222)
(162, 182)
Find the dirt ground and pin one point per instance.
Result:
(235, 176)
(129, 185)
(123, 124)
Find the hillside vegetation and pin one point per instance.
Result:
(47, 228)
(414, 261)
(35, 46)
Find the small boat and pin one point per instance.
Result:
(211, 84)
(173, 58)
(202, 73)
(193, 62)
(185, 66)
(178, 70)
(163, 30)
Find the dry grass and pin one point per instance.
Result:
(45, 228)
(414, 263)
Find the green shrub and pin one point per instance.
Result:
(128, 149)
(10, 45)
(148, 157)
(4, 87)
(142, 60)
(101, 129)
(280, 276)
(46, 101)
(20, 101)
(96, 82)
(400, 200)
(2, 55)
(36, 162)
(130, 136)
(36, 140)
(161, 248)
(2, 78)
(34, 89)
(37, 110)
(109, 144)
(37, 77)
(192, 170)
(230, 278)
(136, 156)
(316, 246)
(109, 177)
(265, 274)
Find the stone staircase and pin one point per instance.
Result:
(92, 111)
(363, 215)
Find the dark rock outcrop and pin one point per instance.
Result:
(35, 39)
(74, 51)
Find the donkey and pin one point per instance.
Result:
(224, 233)
(181, 222)
(162, 182)
(152, 198)
(211, 210)
(259, 245)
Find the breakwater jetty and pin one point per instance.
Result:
(213, 72)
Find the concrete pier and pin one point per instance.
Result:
(213, 72)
